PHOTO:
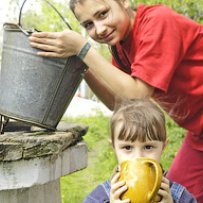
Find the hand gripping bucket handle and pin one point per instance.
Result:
(16, 99)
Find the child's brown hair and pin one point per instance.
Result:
(140, 119)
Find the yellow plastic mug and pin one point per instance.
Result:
(143, 177)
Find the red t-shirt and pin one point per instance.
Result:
(165, 49)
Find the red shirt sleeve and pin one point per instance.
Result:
(159, 47)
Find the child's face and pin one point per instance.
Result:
(127, 150)
(106, 21)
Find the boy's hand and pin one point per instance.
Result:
(164, 194)
(117, 188)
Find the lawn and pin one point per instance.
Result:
(101, 160)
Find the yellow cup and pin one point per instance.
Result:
(143, 177)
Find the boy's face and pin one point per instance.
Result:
(106, 21)
(127, 150)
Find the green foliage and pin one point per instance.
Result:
(39, 15)
(75, 187)
(104, 51)
(190, 8)
(98, 127)
(175, 135)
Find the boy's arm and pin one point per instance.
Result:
(181, 195)
(111, 84)
(98, 195)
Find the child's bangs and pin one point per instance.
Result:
(131, 131)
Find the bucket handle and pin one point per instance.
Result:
(50, 4)
(3, 122)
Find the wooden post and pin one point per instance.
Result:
(32, 162)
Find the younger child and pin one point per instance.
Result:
(138, 130)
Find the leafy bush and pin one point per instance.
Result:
(190, 8)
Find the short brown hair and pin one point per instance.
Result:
(140, 119)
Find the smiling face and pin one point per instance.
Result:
(128, 150)
(106, 21)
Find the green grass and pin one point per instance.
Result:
(101, 159)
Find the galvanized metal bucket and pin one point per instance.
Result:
(35, 89)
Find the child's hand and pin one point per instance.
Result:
(117, 188)
(164, 194)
